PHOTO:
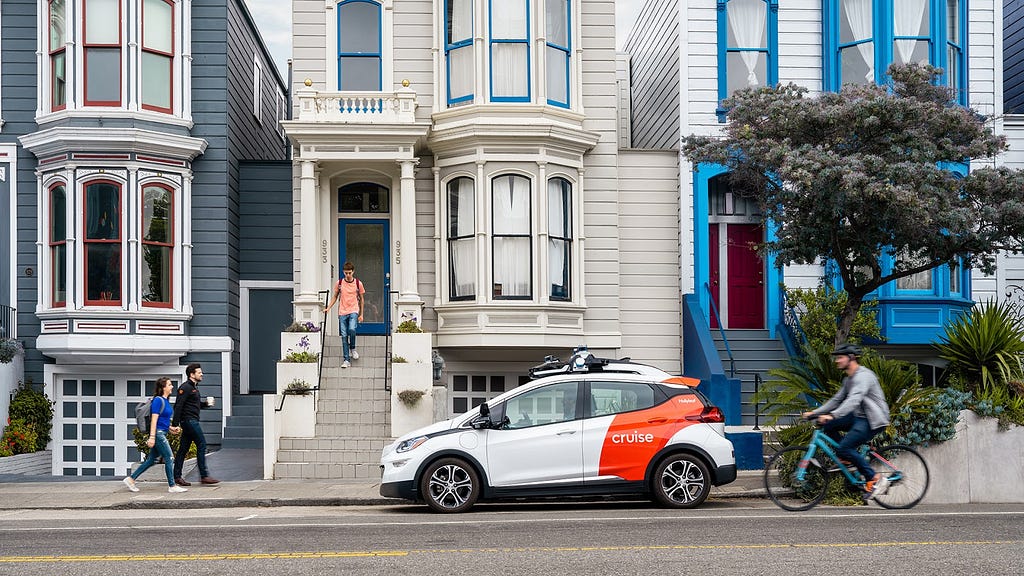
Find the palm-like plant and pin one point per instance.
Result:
(985, 345)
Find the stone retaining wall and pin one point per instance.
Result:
(35, 463)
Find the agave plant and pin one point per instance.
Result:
(985, 346)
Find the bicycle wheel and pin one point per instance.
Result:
(783, 487)
(907, 472)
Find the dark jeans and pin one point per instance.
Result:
(160, 448)
(191, 432)
(858, 432)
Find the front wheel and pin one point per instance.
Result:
(450, 485)
(681, 481)
(907, 473)
(784, 485)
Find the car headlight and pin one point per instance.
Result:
(410, 444)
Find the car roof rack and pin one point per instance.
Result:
(581, 360)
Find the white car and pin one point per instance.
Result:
(601, 428)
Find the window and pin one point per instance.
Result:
(58, 60)
(359, 46)
(557, 51)
(462, 239)
(364, 198)
(863, 37)
(58, 245)
(157, 245)
(513, 258)
(747, 46)
(102, 52)
(546, 405)
(458, 50)
(618, 397)
(157, 55)
(257, 88)
(102, 243)
(559, 237)
(510, 51)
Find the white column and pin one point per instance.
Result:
(306, 301)
(409, 302)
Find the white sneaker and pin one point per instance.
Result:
(130, 483)
(175, 489)
(345, 364)
(355, 355)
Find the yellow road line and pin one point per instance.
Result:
(531, 549)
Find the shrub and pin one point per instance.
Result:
(33, 407)
(173, 439)
(410, 397)
(398, 359)
(9, 348)
(19, 437)
(409, 327)
(819, 311)
(302, 327)
(301, 357)
(931, 427)
(298, 388)
(999, 401)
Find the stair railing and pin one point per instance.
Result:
(718, 320)
(387, 341)
(320, 357)
(793, 333)
(8, 321)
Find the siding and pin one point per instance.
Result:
(649, 278)
(653, 47)
(265, 216)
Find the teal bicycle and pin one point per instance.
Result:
(797, 477)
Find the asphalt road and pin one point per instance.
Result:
(736, 537)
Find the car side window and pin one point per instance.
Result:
(617, 397)
(545, 405)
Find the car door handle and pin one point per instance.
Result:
(658, 420)
(566, 432)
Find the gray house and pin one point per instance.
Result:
(128, 128)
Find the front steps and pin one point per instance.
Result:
(353, 419)
(754, 353)
(244, 428)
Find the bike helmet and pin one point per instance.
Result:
(847, 350)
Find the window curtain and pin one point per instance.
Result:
(512, 258)
(509, 60)
(460, 60)
(909, 20)
(462, 214)
(748, 22)
(558, 232)
(858, 14)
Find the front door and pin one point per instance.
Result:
(366, 244)
(746, 276)
(269, 310)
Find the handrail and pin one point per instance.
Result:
(320, 357)
(8, 321)
(718, 320)
(791, 322)
(758, 381)
(387, 341)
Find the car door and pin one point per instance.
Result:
(624, 429)
(543, 441)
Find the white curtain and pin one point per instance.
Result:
(512, 257)
(460, 72)
(858, 14)
(748, 19)
(460, 20)
(462, 227)
(508, 69)
(557, 261)
(908, 18)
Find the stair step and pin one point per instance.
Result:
(227, 442)
(307, 470)
(235, 420)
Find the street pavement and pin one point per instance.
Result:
(240, 472)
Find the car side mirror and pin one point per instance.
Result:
(482, 421)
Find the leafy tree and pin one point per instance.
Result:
(865, 172)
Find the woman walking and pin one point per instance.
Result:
(159, 425)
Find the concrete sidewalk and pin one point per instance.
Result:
(239, 487)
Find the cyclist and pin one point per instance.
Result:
(858, 409)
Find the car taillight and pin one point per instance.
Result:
(709, 415)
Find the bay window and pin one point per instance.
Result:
(58, 245)
(359, 45)
(558, 50)
(102, 52)
(511, 242)
(458, 49)
(58, 56)
(157, 55)
(510, 50)
(559, 237)
(462, 239)
(157, 244)
(102, 243)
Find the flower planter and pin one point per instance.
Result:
(414, 347)
(288, 371)
(298, 416)
(291, 342)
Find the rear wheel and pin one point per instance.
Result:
(907, 473)
(450, 485)
(681, 481)
(788, 491)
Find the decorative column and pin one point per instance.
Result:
(409, 303)
(307, 303)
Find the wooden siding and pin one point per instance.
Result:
(265, 216)
(653, 47)
(649, 269)
(309, 33)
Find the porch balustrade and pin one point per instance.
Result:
(397, 107)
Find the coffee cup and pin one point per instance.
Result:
(210, 400)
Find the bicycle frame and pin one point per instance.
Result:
(822, 441)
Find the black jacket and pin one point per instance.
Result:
(187, 404)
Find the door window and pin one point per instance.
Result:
(546, 405)
(618, 397)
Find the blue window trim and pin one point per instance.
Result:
(567, 50)
(448, 48)
(490, 53)
(883, 37)
(772, 50)
(380, 35)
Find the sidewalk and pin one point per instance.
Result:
(238, 488)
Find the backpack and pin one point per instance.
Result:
(143, 411)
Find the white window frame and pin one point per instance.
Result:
(387, 66)
(257, 88)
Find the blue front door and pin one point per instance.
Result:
(365, 243)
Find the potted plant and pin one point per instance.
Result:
(297, 388)
(301, 336)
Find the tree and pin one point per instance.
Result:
(866, 172)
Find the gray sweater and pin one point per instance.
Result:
(861, 394)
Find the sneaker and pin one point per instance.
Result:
(345, 364)
(354, 354)
(130, 483)
(176, 489)
(880, 486)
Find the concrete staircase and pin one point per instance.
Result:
(244, 428)
(353, 419)
(754, 353)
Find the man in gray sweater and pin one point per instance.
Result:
(860, 410)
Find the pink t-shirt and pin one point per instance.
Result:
(349, 298)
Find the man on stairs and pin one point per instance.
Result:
(350, 311)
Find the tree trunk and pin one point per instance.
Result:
(853, 304)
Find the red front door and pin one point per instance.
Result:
(713, 271)
(746, 276)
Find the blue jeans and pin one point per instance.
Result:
(349, 323)
(858, 432)
(161, 448)
(191, 432)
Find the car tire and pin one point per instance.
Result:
(450, 485)
(681, 481)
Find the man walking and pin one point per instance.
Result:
(186, 414)
(350, 311)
